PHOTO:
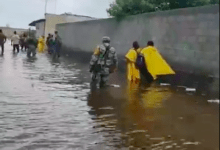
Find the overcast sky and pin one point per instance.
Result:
(19, 13)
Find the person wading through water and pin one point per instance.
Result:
(133, 73)
(103, 62)
(2, 41)
(31, 45)
(47, 42)
(41, 44)
(22, 42)
(58, 44)
(15, 41)
(155, 65)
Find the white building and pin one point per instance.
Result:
(39, 24)
(49, 23)
(53, 19)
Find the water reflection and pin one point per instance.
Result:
(139, 118)
(31, 59)
(124, 122)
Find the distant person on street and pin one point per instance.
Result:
(47, 42)
(51, 45)
(41, 44)
(21, 42)
(31, 45)
(25, 42)
(3, 39)
(103, 62)
(155, 64)
(58, 43)
(15, 41)
(133, 74)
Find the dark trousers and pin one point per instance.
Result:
(31, 50)
(146, 77)
(58, 47)
(2, 47)
(22, 46)
(16, 46)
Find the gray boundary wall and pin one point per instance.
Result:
(187, 38)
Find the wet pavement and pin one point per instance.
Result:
(47, 104)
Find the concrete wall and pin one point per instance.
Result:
(39, 29)
(187, 38)
(77, 18)
(10, 31)
(53, 19)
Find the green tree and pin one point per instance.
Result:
(121, 8)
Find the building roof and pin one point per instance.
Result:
(36, 21)
(70, 14)
(67, 14)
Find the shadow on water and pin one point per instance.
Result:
(14, 54)
(31, 59)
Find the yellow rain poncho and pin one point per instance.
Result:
(41, 44)
(133, 73)
(155, 63)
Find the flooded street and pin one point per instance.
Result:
(47, 104)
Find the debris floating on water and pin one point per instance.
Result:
(164, 84)
(114, 85)
(191, 143)
(180, 118)
(214, 101)
(107, 108)
(190, 90)
(181, 86)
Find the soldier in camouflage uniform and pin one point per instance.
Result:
(31, 45)
(104, 61)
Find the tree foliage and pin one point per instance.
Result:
(121, 8)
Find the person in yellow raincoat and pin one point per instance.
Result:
(41, 44)
(133, 73)
(155, 64)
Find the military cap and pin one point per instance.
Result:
(106, 38)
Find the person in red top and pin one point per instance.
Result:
(2, 41)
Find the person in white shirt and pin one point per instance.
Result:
(15, 40)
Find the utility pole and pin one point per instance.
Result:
(45, 16)
(45, 6)
(55, 6)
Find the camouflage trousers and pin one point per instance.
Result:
(99, 79)
(31, 50)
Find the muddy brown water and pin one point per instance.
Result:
(48, 104)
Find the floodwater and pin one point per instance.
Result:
(47, 104)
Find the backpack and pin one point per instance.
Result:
(97, 67)
(140, 61)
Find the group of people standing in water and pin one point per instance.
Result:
(30, 44)
(53, 44)
(146, 63)
(143, 64)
